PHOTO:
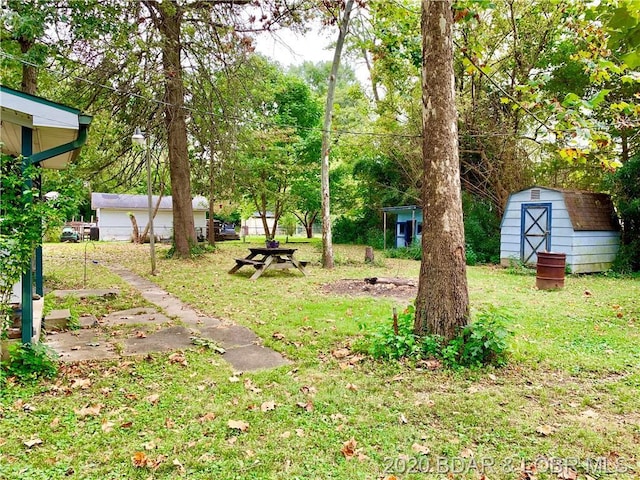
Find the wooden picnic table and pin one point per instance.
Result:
(263, 259)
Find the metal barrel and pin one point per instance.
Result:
(550, 270)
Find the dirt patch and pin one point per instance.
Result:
(355, 287)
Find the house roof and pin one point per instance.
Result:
(588, 211)
(121, 201)
(54, 126)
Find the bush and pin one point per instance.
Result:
(481, 230)
(29, 362)
(627, 197)
(386, 344)
(414, 252)
(483, 342)
(365, 229)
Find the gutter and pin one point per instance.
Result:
(84, 122)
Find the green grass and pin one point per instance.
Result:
(575, 368)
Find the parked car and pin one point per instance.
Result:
(69, 235)
(225, 231)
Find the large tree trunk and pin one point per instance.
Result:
(169, 22)
(29, 72)
(327, 241)
(442, 305)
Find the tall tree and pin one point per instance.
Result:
(442, 305)
(327, 242)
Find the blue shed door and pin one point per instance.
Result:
(535, 231)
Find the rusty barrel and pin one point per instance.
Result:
(550, 270)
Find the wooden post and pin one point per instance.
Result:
(368, 255)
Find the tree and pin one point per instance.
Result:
(442, 305)
(327, 242)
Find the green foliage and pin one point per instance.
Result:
(517, 267)
(363, 229)
(413, 252)
(386, 344)
(28, 362)
(627, 196)
(483, 342)
(289, 223)
(481, 230)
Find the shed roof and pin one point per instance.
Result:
(403, 208)
(588, 211)
(123, 201)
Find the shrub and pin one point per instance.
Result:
(483, 342)
(388, 345)
(29, 362)
(481, 230)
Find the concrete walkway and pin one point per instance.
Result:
(142, 330)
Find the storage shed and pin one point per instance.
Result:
(112, 212)
(408, 224)
(583, 225)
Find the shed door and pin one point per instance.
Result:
(535, 231)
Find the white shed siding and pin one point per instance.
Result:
(510, 239)
(115, 224)
(587, 251)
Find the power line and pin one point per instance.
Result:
(337, 132)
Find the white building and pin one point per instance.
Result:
(583, 225)
(112, 212)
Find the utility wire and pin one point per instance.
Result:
(262, 124)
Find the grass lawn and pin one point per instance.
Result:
(569, 401)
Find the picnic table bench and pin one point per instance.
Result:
(263, 259)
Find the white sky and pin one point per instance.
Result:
(289, 48)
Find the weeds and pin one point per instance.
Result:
(29, 362)
(482, 342)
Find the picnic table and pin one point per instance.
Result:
(263, 259)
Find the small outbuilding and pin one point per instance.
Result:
(582, 225)
(408, 224)
(112, 212)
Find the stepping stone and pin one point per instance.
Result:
(254, 357)
(173, 338)
(88, 321)
(231, 336)
(134, 316)
(84, 293)
(57, 320)
(81, 345)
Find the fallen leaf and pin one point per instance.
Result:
(567, 474)
(286, 434)
(248, 384)
(178, 357)
(33, 442)
(141, 334)
(153, 399)
(149, 445)
(126, 425)
(140, 459)
(352, 387)
(207, 417)
(88, 411)
(278, 336)
(234, 379)
(178, 464)
(349, 448)
(55, 422)
(420, 449)
(466, 453)
(82, 383)
(300, 432)
(268, 406)
(308, 390)
(403, 419)
(589, 413)
(545, 430)
(232, 440)
(249, 453)
(238, 425)
(308, 406)
(169, 423)
(341, 353)
(106, 425)
(338, 417)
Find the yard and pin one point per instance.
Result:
(566, 404)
